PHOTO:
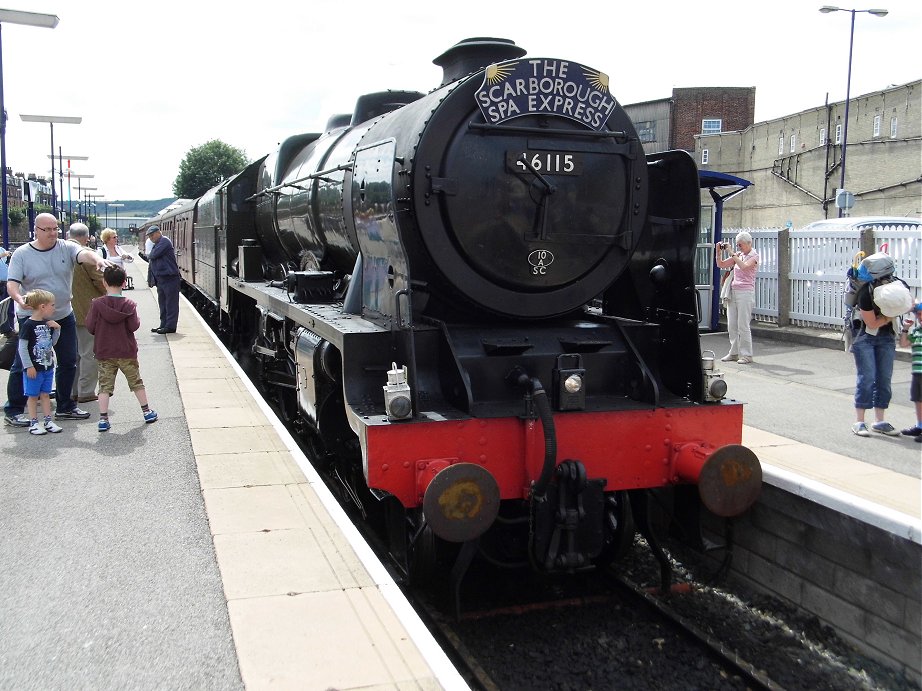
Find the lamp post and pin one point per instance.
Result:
(826, 9)
(116, 207)
(47, 21)
(61, 158)
(51, 120)
(94, 199)
(77, 177)
(86, 204)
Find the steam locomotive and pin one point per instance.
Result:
(478, 307)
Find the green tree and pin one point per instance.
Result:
(205, 166)
(16, 217)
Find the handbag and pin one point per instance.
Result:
(726, 288)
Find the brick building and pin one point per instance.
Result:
(672, 123)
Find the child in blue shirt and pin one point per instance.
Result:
(37, 337)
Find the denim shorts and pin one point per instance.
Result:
(43, 383)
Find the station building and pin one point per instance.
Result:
(794, 162)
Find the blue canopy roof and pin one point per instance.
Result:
(711, 179)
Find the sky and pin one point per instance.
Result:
(153, 80)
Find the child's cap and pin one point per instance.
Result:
(917, 307)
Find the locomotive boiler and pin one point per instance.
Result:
(478, 307)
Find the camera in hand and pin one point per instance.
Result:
(724, 245)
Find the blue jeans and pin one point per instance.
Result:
(874, 356)
(65, 371)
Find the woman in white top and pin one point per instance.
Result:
(111, 250)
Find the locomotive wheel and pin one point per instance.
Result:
(619, 528)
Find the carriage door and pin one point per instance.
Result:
(704, 267)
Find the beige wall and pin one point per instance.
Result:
(884, 173)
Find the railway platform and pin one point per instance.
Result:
(204, 552)
(198, 552)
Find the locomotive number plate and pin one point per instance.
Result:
(544, 162)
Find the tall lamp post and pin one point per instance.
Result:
(116, 207)
(826, 9)
(77, 177)
(47, 21)
(51, 120)
(86, 204)
(61, 159)
(95, 199)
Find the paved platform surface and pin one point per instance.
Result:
(197, 552)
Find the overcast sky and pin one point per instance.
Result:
(152, 80)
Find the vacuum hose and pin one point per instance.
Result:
(543, 407)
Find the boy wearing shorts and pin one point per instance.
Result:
(37, 337)
(113, 319)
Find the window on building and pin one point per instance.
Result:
(781, 145)
(838, 134)
(822, 136)
(712, 126)
(893, 127)
(704, 157)
(793, 143)
(877, 125)
(646, 131)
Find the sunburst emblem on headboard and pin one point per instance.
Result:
(497, 73)
(598, 79)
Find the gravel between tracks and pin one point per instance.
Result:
(615, 645)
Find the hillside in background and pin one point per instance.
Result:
(135, 207)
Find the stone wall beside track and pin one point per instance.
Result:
(857, 568)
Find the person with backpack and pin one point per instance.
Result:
(874, 346)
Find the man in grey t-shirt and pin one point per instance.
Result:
(48, 263)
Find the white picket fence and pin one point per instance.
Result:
(818, 261)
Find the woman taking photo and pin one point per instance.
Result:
(112, 251)
(744, 261)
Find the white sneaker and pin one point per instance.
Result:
(35, 428)
(51, 427)
(861, 429)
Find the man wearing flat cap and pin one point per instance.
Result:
(162, 260)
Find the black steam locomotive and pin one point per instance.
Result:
(478, 307)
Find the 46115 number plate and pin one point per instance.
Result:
(544, 162)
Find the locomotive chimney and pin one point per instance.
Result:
(474, 53)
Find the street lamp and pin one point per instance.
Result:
(51, 119)
(826, 9)
(61, 158)
(116, 207)
(47, 21)
(78, 178)
(86, 204)
(94, 199)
